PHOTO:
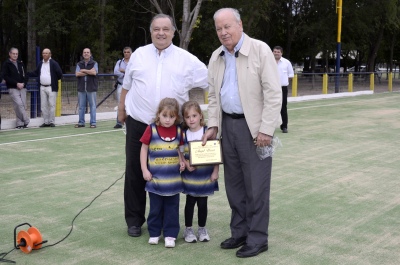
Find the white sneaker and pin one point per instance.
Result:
(189, 235)
(169, 242)
(153, 240)
(203, 234)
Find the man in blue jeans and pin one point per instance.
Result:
(86, 72)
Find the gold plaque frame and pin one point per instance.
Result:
(209, 154)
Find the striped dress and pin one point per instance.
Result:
(197, 183)
(163, 163)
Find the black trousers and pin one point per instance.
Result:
(284, 114)
(202, 210)
(134, 193)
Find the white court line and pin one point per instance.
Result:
(58, 137)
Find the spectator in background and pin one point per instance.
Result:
(285, 70)
(244, 103)
(49, 72)
(86, 72)
(14, 74)
(119, 70)
(154, 72)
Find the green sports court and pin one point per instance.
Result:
(334, 195)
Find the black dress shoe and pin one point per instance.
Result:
(251, 250)
(284, 130)
(233, 242)
(135, 231)
(44, 125)
(52, 125)
(117, 126)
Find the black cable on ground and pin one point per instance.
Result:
(4, 254)
(72, 224)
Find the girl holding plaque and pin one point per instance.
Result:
(200, 181)
(161, 164)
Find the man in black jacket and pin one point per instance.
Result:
(49, 72)
(14, 75)
(86, 72)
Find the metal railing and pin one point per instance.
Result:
(67, 98)
(302, 84)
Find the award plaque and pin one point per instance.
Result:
(208, 154)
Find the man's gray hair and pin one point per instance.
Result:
(162, 16)
(127, 48)
(12, 48)
(233, 10)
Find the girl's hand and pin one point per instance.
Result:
(214, 176)
(189, 167)
(182, 166)
(147, 175)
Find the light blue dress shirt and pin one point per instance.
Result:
(230, 98)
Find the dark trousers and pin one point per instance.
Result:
(202, 210)
(284, 114)
(247, 182)
(163, 215)
(134, 193)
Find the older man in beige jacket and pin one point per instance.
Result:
(245, 100)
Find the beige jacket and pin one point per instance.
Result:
(259, 87)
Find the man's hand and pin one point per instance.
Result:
(121, 106)
(210, 134)
(121, 114)
(263, 139)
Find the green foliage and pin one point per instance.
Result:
(301, 27)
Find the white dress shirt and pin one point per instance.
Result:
(120, 64)
(45, 77)
(285, 70)
(151, 76)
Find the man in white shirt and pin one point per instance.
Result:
(119, 71)
(285, 70)
(155, 71)
(49, 72)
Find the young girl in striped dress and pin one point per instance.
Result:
(200, 181)
(161, 165)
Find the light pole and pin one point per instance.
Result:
(145, 35)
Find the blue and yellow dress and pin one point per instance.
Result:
(197, 183)
(163, 163)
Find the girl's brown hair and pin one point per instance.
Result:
(185, 109)
(170, 105)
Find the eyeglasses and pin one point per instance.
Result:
(127, 52)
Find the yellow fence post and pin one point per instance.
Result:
(390, 82)
(58, 100)
(325, 84)
(294, 86)
(205, 97)
(350, 82)
(371, 82)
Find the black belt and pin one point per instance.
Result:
(235, 115)
(45, 85)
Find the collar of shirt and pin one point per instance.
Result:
(48, 61)
(164, 52)
(237, 47)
